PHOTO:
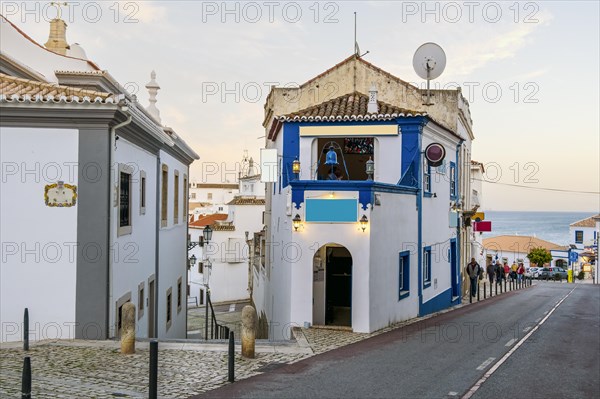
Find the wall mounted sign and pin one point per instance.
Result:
(435, 154)
(60, 194)
(331, 210)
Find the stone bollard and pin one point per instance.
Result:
(128, 329)
(248, 331)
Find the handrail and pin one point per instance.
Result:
(217, 331)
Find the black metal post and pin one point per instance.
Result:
(231, 357)
(478, 291)
(153, 379)
(484, 291)
(26, 330)
(497, 282)
(26, 379)
(505, 286)
(206, 300)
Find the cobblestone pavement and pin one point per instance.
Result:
(77, 369)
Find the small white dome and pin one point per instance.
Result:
(77, 51)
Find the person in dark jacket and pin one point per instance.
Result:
(473, 271)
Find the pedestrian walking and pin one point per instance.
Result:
(491, 272)
(520, 272)
(506, 270)
(499, 272)
(473, 271)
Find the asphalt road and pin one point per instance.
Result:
(519, 345)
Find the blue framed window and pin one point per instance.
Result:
(427, 178)
(578, 236)
(404, 275)
(452, 173)
(426, 267)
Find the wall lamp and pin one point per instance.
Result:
(364, 222)
(296, 222)
(296, 167)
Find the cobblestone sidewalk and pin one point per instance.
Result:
(82, 370)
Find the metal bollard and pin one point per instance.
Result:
(26, 330)
(231, 357)
(484, 290)
(497, 282)
(478, 292)
(26, 379)
(153, 378)
(505, 286)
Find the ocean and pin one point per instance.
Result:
(549, 226)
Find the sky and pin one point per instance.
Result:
(530, 71)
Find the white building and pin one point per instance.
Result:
(228, 249)
(511, 249)
(207, 198)
(104, 184)
(346, 249)
(584, 233)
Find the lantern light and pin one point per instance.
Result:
(370, 168)
(207, 233)
(364, 222)
(296, 222)
(296, 166)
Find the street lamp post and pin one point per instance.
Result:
(206, 235)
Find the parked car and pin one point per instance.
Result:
(532, 272)
(549, 273)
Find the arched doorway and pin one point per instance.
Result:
(332, 286)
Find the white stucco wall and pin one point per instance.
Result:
(588, 236)
(38, 242)
(134, 256)
(173, 256)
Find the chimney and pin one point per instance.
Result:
(372, 107)
(153, 88)
(57, 41)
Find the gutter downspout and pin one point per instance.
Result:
(156, 245)
(111, 205)
(420, 218)
(458, 240)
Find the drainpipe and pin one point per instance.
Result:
(459, 267)
(156, 245)
(111, 197)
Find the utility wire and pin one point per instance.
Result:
(540, 188)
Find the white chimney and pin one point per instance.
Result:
(372, 107)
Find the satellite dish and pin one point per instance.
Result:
(429, 62)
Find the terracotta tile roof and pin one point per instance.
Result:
(208, 220)
(223, 227)
(587, 222)
(522, 244)
(13, 89)
(246, 201)
(352, 106)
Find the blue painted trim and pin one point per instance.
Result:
(419, 225)
(365, 188)
(427, 250)
(428, 195)
(405, 292)
(411, 153)
(452, 178)
(291, 151)
(454, 268)
(437, 303)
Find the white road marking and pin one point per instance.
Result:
(232, 307)
(512, 341)
(452, 393)
(483, 365)
(526, 329)
(499, 363)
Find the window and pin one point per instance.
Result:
(193, 196)
(209, 196)
(124, 199)
(185, 198)
(200, 267)
(142, 193)
(427, 267)
(169, 305)
(427, 178)
(404, 275)
(179, 294)
(452, 171)
(141, 300)
(176, 198)
(578, 236)
(164, 195)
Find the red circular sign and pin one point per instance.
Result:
(435, 154)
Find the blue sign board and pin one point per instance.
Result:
(331, 210)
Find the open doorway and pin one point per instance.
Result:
(332, 286)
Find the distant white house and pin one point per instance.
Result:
(93, 198)
(508, 248)
(227, 251)
(207, 198)
(584, 233)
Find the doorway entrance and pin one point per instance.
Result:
(332, 286)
